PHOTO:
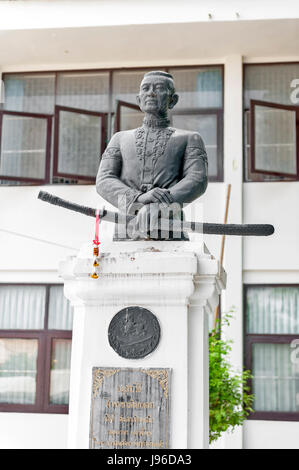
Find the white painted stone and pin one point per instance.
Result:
(180, 283)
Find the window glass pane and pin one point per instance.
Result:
(80, 143)
(88, 91)
(249, 175)
(269, 82)
(276, 378)
(14, 183)
(272, 310)
(198, 88)
(206, 125)
(130, 118)
(30, 93)
(18, 359)
(23, 146)
(126, 86)
(60, 371)
(22, 307)
(275, 140)
(60, 310)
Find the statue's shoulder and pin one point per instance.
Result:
(192, 138)
(120, 136)
(115, 140)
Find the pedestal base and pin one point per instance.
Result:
(179, 282)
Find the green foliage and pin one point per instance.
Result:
(230, 402)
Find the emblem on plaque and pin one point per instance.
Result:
(134, 332)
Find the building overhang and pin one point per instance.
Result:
(62, 41)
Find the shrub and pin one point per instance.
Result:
(230, 401)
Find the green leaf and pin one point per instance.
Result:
(230, 401)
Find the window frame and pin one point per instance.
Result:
(47, 117)
(123, 104)
(264, 338)
(58, 109)
(253, 170)
(219, 116)
(248, 175)
(43, 361)
(111, 112)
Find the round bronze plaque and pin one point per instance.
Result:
(134, 332)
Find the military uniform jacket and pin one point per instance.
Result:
(138, 160)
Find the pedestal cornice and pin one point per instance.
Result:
(144, 273)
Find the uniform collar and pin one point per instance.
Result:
(153, 122)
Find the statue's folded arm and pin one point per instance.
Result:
(194, 171)
(109, 184)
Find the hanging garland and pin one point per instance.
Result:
(96, 244)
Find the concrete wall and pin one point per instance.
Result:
(33, 431)
(275, 203)
(271, 435)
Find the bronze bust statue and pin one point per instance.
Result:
(155, 166)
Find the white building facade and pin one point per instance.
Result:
(70, 72)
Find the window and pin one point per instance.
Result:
(79, 140)
(271, 339)
(209, 124)
(25, 147)
(128, 116)
(200, 108)
(30, 93)
(274, 130)
(54, 126)
(271, 123)
(35, 348)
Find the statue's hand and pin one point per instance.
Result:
(141, 222)
(159, 195)
(146, 223)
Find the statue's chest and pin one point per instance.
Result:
(151, 143)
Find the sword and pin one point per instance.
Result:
(195, 227)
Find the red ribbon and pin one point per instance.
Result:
(96, 238)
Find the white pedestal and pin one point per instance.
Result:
(179, 282)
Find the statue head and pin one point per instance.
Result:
(157, 93)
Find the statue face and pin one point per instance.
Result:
(155, 97)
